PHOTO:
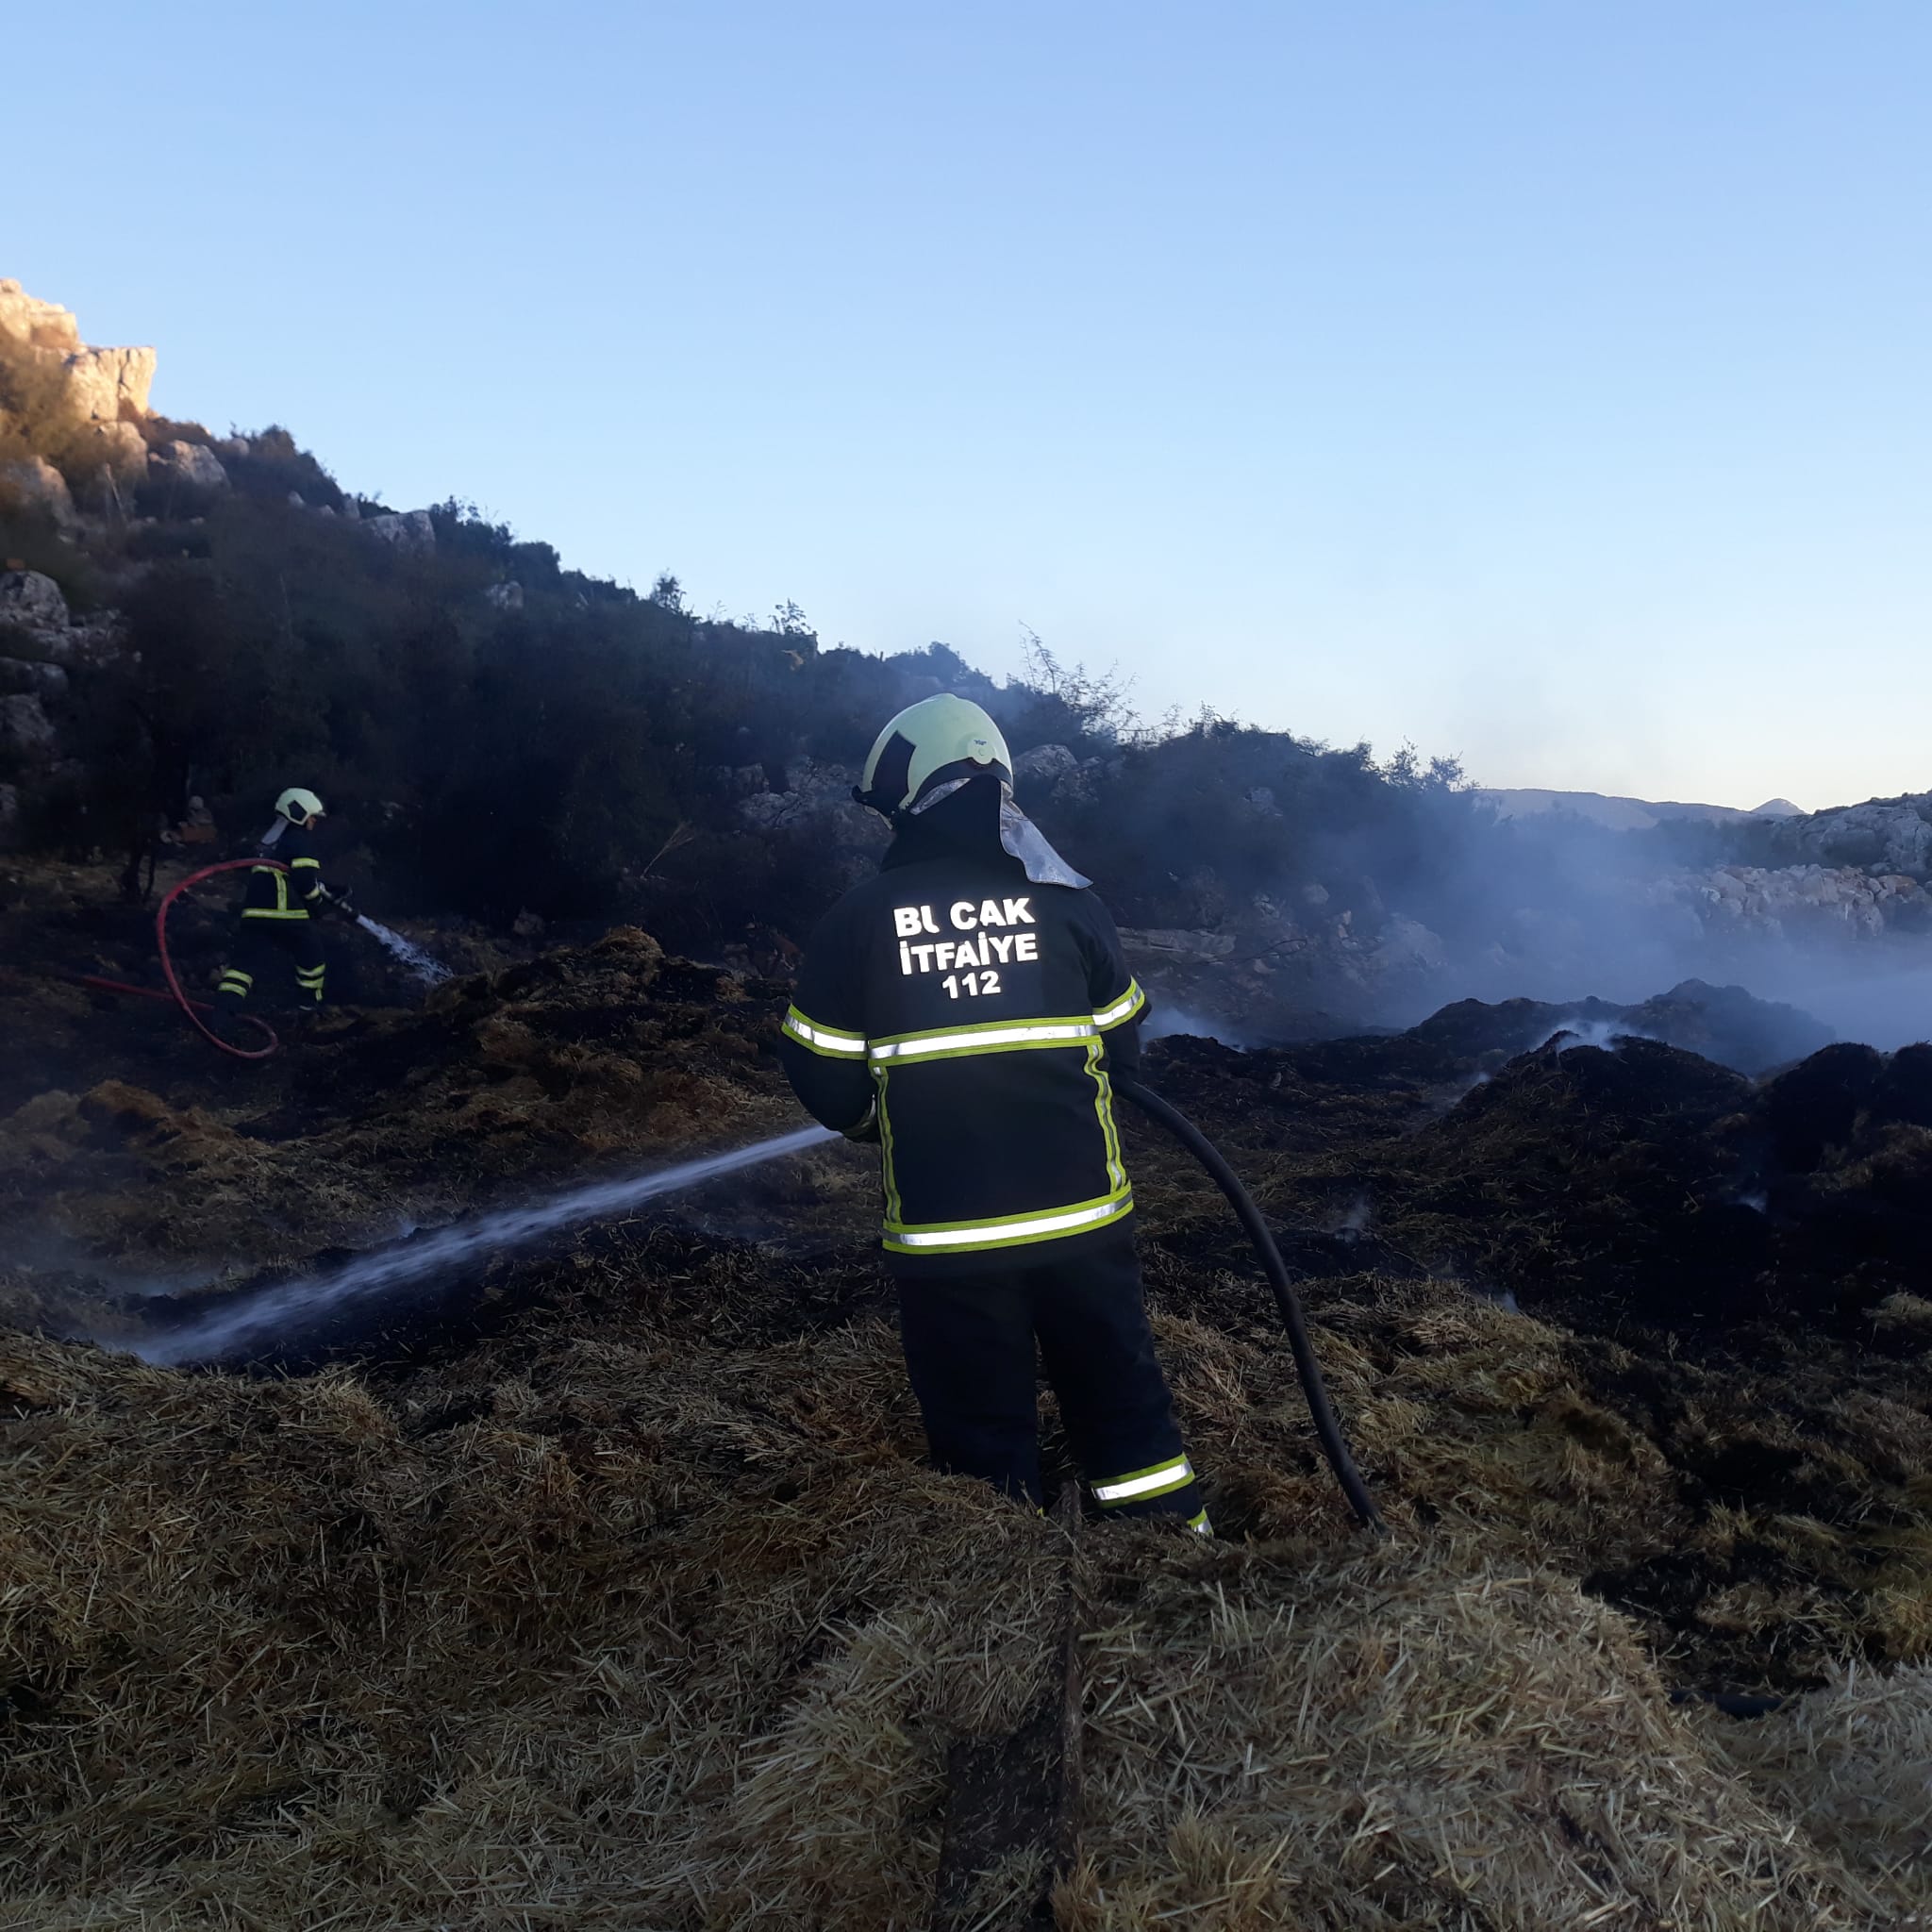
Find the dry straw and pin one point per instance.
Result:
(644, 1633)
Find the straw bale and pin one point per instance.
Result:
(1911, 1312)
(1848, 1764)
(1412, 1735)
(644, 1632)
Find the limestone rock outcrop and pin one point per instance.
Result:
(192, 463)
(1792, 900)
(1407, 945)
(36, 629)
(30, 600)
(107, 389)
(1052, 771)
(38, 325)
(1884, 835)
(1046, 764)
(24, 727)
(107, 385)
(34, 483)
(412, 529)
(816, 809)
(119, 445)
(45, 656)
(26, 677)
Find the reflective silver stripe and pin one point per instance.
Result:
(969, 1042)
(1129, 1002)
(1011, 1230)
(826, 1042)
(1170, 1476)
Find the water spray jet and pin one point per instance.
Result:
(407, 953)
(232, 1331)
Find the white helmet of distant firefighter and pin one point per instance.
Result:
(299, 806)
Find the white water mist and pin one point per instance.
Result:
(226, 1332)
(430, 971)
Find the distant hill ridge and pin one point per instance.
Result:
(1625, 814)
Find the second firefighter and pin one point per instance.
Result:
(284, 891)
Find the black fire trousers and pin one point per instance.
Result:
(264, 943)
(969, 1342)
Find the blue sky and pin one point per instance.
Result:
(1546, 384)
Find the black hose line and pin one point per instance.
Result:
(1203, 1150)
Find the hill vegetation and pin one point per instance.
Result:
(503, 733)
(505, 740)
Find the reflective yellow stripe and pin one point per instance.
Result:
(1157, 1480)
(293, 863)
(1001, 1038)
(1007, 1230)
(1198, 1523)
(888, 1174)
(280, 875)
(832, 1041)
(1103, 1106)
(1123, 1009)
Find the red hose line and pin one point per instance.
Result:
(189, 1005)
(139, 992)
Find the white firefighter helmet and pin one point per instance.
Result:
(928, 745)
(934, 747)
(298, 805)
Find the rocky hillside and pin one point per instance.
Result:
(1621, 814)
(187, 622)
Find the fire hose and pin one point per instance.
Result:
(195, 1008)
(1328, 1429)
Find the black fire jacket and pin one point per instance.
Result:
(976, 1012)
(292, 894)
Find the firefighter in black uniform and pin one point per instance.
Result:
(276, 915)
(963, 1010)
